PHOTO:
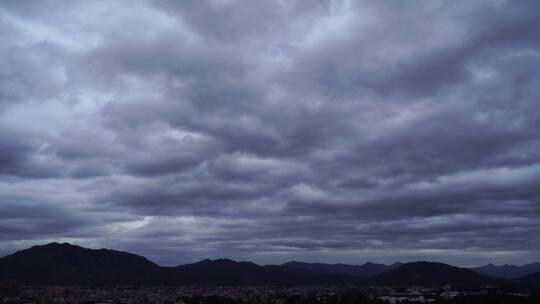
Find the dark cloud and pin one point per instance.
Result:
(269, 131)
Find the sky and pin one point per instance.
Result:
(269, 131)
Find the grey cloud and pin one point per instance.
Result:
(232, 21)
(270, 131)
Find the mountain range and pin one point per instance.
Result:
(368, 269)
(66, 264)
(507, 271)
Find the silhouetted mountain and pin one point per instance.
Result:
(431, 274)
(68, 264)
(507, 271)
(228, 272)
(368, 269)
(530, 279)
(65, 264)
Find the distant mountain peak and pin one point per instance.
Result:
(64, 244)
(224, 261)
(54, 245)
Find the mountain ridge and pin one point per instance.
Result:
(507, 271)
(66, 264)
(367, 269)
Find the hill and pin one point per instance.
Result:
(507, 271)
(368, 269)
(68, 264)
(530, 279)
(431, 274)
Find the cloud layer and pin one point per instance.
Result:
(273, 130)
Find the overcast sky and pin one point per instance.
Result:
(331, 131)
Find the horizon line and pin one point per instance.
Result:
(270, 264)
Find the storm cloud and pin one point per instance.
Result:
(333, 131)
